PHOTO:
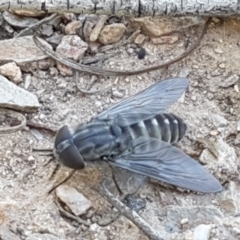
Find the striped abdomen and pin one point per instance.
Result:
(167, 127)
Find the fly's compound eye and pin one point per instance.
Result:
(67, 150)
(62, 135)
(71, 157)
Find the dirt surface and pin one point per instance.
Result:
(28, 212)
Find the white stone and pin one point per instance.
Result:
(73, 199)
(14, 97)
(202, 232)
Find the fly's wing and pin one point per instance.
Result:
(162, 161)
(147, 103)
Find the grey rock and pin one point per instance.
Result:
(229, 199)
(14, 97)
(230, 81)
(71, 47)
(202, 232)
(55, 39)
(21, 50)
(73, 199)
(16, 21)
(128, 182)
(90, 21)
(47, 30)
(219, 121)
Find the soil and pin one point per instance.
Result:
(27, 211)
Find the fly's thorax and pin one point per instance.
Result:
(166, 127)
(97, 139)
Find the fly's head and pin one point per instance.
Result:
(65, 151)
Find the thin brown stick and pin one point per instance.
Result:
(106, 89)
(63, 181)
(93, 59)
(40, 127)
(108, 72)
(71, 216)
(130, 214)
(12, 114)
(36, 25)
(35, 126)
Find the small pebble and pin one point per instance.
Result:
(236, 88)
(130, 50)
(213, 133)
(27, 81)
(194, 98)
(184, 221)
(217, 50)
(31, 158)
(140, 39)
(238, 126)
(117, 94)
(98, 104)
(222, 65)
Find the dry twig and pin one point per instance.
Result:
(106, 89)
(14, 117)
(36, 25)
(130, 214)
(71, 216)
(93, 59)
(107, 72)
(40, 127)
(63, 181)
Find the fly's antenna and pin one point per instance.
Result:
(65, 180)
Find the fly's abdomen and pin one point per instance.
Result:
(167, 127)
